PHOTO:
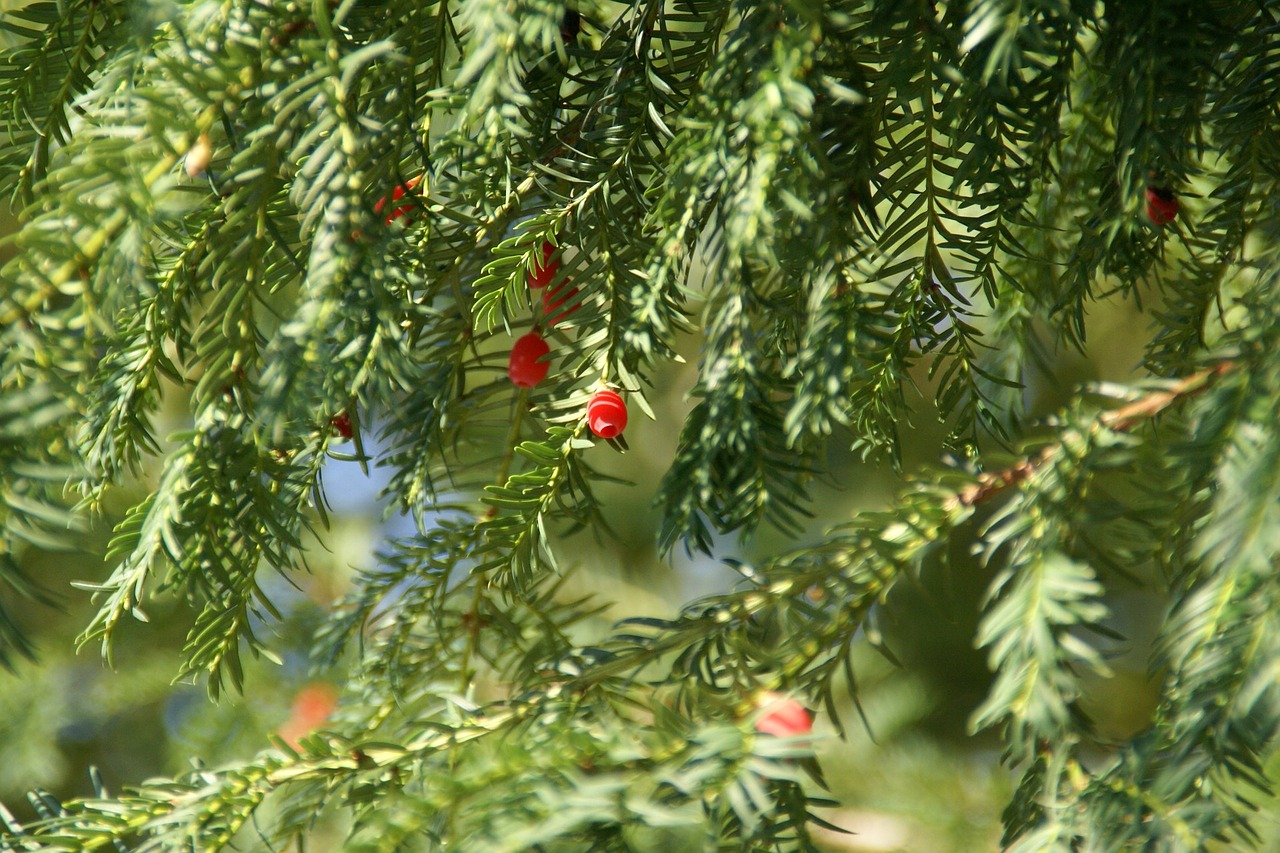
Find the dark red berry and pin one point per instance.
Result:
(1162, 205)
(545, 271)
(341, 424)
(783, 716)
(553, 298)
(570, 26)
(607, 414)
(396, 195)
(527, 365)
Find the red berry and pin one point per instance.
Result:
(607, 414)
(544, 272)
(570, 26)
(315, 701)
(783, 716)
(553, 298)
(396, 195)
(527, 366)
(311, 706)
(1162, 205)
(341, 424)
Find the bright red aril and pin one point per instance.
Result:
(527, 366)
(607, 414)
(544, 272)
(552, 300)
(396, 195)
(783, 716)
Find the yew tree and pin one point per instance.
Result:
(314, 222)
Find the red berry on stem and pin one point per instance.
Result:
(526, 367)
(1162, 205)
(783, 716)
(607, 414)
(544, 272)
(396, 195)
(341, 424)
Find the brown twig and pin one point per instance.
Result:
(1122, 419)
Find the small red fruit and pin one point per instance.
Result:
(570, 26)
(783, 716)
(341, 424)
(311, 706)
(544, 272)
(1162, 205)
(553, 298)
(607, 414)
(396, 195)
(527, 367)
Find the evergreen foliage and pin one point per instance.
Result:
(848, 201)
